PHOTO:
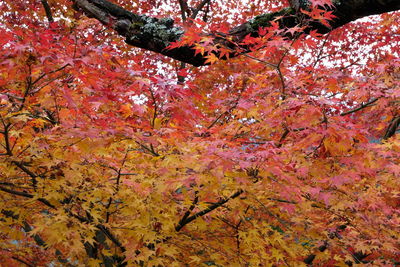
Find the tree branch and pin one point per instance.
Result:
(187, 213)
(101, 227)
(47, 9)
(210, 208)
(198, 8)
(22, 261)
(157, 34)
(39, 241)
(362, 106)
(184, 7)
(392, 128)
(27, 171)
(27, 195)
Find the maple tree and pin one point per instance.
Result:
(272, 143)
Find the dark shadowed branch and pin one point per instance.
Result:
(47, 9)
(392, 128)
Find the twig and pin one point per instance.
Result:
(262, 61)
(321, 49)
(151, 150)
(282, 200)
(50, 72)
(227, 112)
(283, 92)
(283, 136)
(217, 119)
(116, 187)
(279, 71)
(155, 108)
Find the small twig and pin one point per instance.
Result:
(350, 65)
(236, 102)
(321, 49)
(102, 228)
(283, 137)
(279, 71)
(28, 87)
(281, 221)
(155, 107)
(187, 213)
(217, 119)
(116, 187)
(50, 72)
(37, 89)
(282, 200)
(151, 150)
(283, 92)
(262, 61)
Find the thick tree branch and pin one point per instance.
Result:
(157, 34)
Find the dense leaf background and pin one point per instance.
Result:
(283, 156)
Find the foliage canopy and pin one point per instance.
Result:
(281, 150)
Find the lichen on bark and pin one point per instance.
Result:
(161, 31)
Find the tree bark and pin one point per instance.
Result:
(157, 34)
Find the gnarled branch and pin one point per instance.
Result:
(157, 34)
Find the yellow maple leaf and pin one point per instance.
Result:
(126, 110)
(211, 58)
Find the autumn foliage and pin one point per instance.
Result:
(286, 155)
